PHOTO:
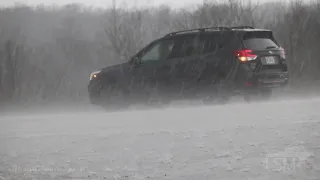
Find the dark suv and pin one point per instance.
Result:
(211, 64)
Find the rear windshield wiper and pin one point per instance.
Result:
(271, 47)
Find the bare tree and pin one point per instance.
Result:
(49, 52)
(124, 31)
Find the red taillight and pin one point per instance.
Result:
(248, 84)
(245, 55)
(282, 53)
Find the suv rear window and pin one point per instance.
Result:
(259, 40)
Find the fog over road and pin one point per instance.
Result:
(274, 140)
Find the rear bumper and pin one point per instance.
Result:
(265, 80)
(273, 83)
(272, 80)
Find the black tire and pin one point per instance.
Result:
(266, 94)
(222, 100)
(114, 98)
(247, 98)
(257, 96)
(220, 95)
(157, 100)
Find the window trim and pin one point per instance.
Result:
(271, 37)
(145, 48)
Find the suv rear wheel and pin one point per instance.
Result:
(260, 95)
(220, 96)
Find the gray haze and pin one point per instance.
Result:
(275, 140)
(49, 129)
(105, 3)
(47, 53)
(129, 3)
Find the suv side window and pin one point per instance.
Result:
(184, 47)
(191, 46)
(158, 51)
(197, 44)
(213, 43)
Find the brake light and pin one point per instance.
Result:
(245, 55)
(248, 84)
(282, 53)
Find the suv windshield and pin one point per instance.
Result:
(259, 41)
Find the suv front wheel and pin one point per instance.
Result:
(113, 98)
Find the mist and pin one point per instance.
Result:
(47, 52)
(49, 129)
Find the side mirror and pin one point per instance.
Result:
(135, 61)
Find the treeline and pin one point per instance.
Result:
(47, 53)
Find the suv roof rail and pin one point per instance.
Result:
(198, 30)
(242, 27)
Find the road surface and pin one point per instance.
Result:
(274, 140)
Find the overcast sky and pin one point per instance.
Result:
(105, 3)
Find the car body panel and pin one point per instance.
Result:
(186, 73)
